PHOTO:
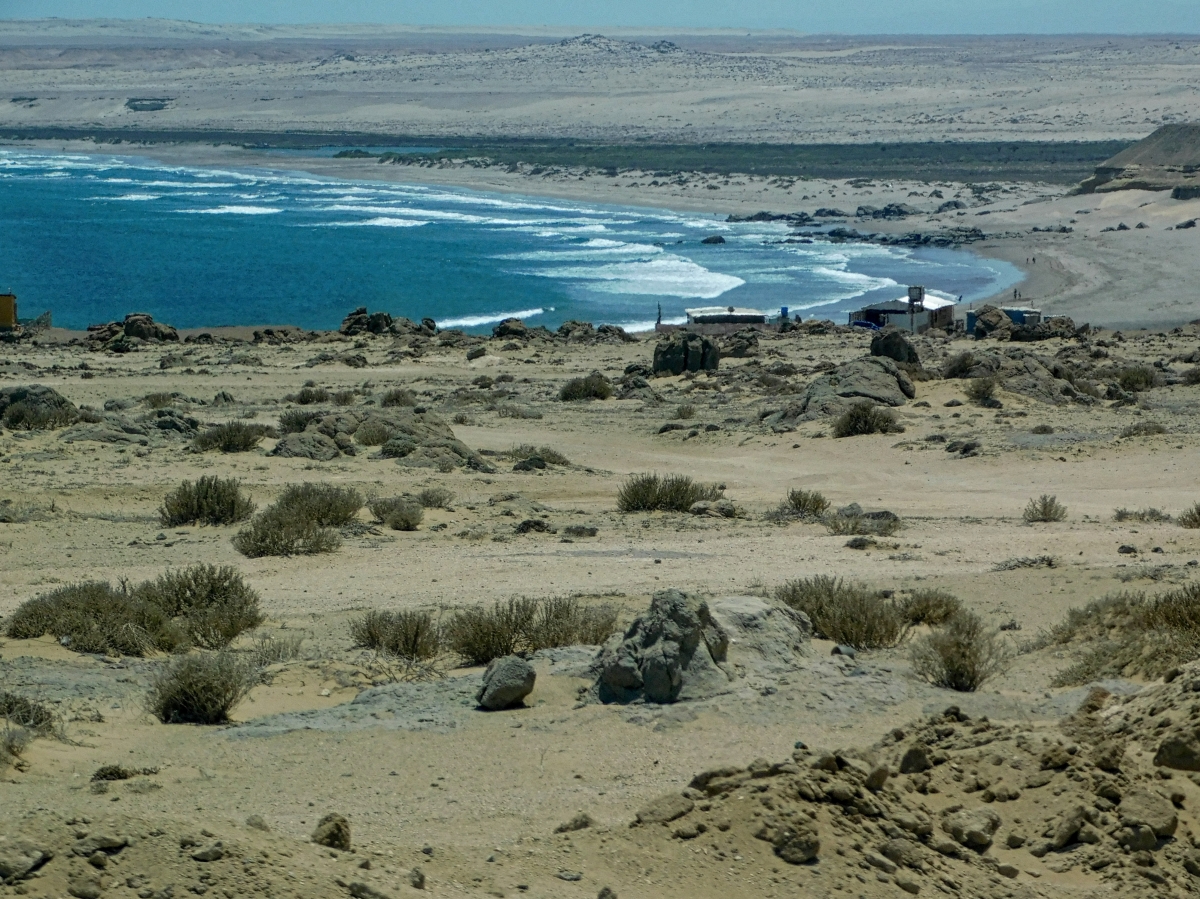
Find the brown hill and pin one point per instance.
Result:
(1166, 160)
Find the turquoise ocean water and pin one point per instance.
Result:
(93, 237)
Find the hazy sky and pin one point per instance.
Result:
(847, 16)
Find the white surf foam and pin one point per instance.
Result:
(669, 276)
(235, 210)
(488, 318)
(382, 221)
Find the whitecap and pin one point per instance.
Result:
(671, 276)
(130, 197)
(487, 318)
(382, 221)
(235, 210)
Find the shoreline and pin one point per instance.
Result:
(1087, 273)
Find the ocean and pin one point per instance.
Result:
(93, 237)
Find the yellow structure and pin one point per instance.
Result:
(8, 311)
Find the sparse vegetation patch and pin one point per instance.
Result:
(846, 613)
(1044, 508)
(866, 418)
(210, 500)
(663, 493)
(960, 654)
(201, 688)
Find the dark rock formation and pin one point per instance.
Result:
(506, 683)
(893, 344)
(685, 351)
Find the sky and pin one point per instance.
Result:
(844, 16)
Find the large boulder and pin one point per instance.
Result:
(333, 831)
(765, 638)
(685, 351)
(1150, 809)
(674, 651)
(506, 682)
(991, 321)
(306, 445)
(741, 345)
(874, 378)
(973, 828)
(511, 329)
(424, 440)
(1061, 326)
(893, 344)
(38, 404)
(143, 327)
(20, 858)
(1180, 749)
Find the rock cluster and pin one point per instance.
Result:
(40, 400)
(361, 322)
(685, 351)
(123, 336)
(873, 378)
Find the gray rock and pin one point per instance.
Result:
(506, 682)
(873, 378)
(213, 852)
(973, 828)
(1180, 750)
(915, 760)
(360, 322)
(990, 321)
(685, 351)
(891, 343)
(721, 508)
(41, 400)
(511, 328)
(1068, 827)
(764, 638)
(1138, 838)
(143, 327)
(257, 822)
(333, 831)
(673, 651)
(306, 445)
(1146, 807)
(20, 858)
(665, 809)
(100, 842)
(904, 852)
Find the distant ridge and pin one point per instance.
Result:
(1169, 159)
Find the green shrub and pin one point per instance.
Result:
(322, 504)
(436, 497)
(806, 503)
(959, 366)
(865, 418)
(308, 396)
(510, 410)
(846, 613)
(410, 635)
(527, 625)
(1190, 518)
(92, 617)
(1044, 508)
(231, 437)
(959, 655)
(293, 421)
(272, 649)
(981, 391)
(158, 400)
(405, 516)
(210, 500)
(565, 621)
(930, 607)
(22, 416)
(213, 606)
(594, 387)
(1041, 429)
(1143, 429)
(1136, 378)
(665, 493)
(200, 689)
(372, 433)
(398, 397)
(277, 532)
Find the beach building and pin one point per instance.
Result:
(8, 311)
(725, 315)
(916, 316)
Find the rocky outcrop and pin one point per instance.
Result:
(893, 344)
(143, 327)
(1060, 326)
(333, 831)
(361, 322)
(123, 336)
(506, 683)
(307, 445)
(874, 378)
(741, 345)
(35, 406)
(685, 351)
(511, 329)
(672, 652)
(890, 211)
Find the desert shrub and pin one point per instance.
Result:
(409, 635)
(1044, 508)
(461, 418)
(565, 621)
(981, 391)
(1143, 429)
(436, 497)
(1136, 378)
(277, 532)
(1191, 377)
(806, 503)
(92, 617)
(664, 493)
(960, 655)
(1130, 634)
(212, 605)
(210, 500)
(594, 387)
(272, 649)
(406, 515)
(861, 525)
(17, 711)
(200, 689)
(930, 607)
(231, 437)
(685, 411)
(846, 613)
(510, 410)
(308, 396)
(322, 504)
(372, 433)
(1041, 429)
(1150, 514)
(959, 366)
(1190, 518)
(547, 454)
(14, 740)
(293, 421)
(865, 418)
(398, 396)
(22, 416)
(482, 634)
(158, 400)
(344, 398)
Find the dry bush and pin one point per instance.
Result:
(22, 416)
(27, 715)
(1190, 518)
(1026, 562)
(1041, 429)
(846, 613)
(1150, 514)
(511, 410)
(322, 504)
(344, 398)
(1130, 634)
(929, 606)
(866, 418)
(212, 606)
(158, 400)
(200, 689)
(308, 396)
(1191, 377)
(565, 621)
(663, 493)
(959, 366)
(594, 387)
(547, 454)
(1143, 429)
(409, 635)
(981, 391)
(1044, 508)
(92, 617)
(14, 740)
(527, 625)
(276, 532)
(272, 649)
(406, 515)
(685, 412)
(806, 503)
(1136, 378)
(231, 437)
(436, 497)
(861, 526)
(372, 433)
(293, 421)
(210, 500)
(398, 396)
(959, 655)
